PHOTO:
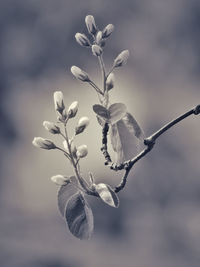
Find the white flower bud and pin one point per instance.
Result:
(79, 74)
(110, 81)
(58, 101)
(60, 179)
(82, 124)
(121, 59)
(43, 143)
(107, 30)
(51, 127)
(99, 37)
(72, 110)
(96, 50)
(73, 147)
(82, 39)
(82, 151)
(91, 25)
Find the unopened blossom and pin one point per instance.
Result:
(51, 127)
(90, 24)
(82, 39)
(82, 124)
(96, 50)
(43, 143)
(110, 81)
(82, 151)
(72, 110)
(121, 59)
(80, 74)
(107, 30)
(59, 102)
(60, 179)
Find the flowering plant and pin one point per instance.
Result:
(114, 120)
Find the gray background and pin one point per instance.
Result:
(158, 221)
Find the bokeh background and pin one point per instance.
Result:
(158, 221)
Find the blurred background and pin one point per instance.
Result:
(158, 221)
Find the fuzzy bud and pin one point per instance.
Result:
(51, 127)
(110, 81)
(72, 146)
(82, 124)
(99, 37)
(60, 179)
(91, 25)
(96, 50)
(121, 59)
(107, 30)
(58, 101)
(79, 74)
(43, 143)
(72, 110)
(82, 39)
(82, 151)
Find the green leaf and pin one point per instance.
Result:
(64, 193)
(107, 195)
(101, 111)
(79, 217)
(116, 111)
(126, 136)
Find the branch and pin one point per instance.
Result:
(149, 142)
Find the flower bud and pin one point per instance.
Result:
(58, 101)
(82, 151)
(43, 143)
(72, 110)
(107, 30)
(60, 179)
(82, 39)
(82, 124)
(51, 127)
(79, 74)
(91, 25)
(110, 81)
(121, 59)
(96, 50)
(99, 37)
(72, 146)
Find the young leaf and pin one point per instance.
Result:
(64, 193)
(107, 195)
(126, 135)
(133, 126)
(116, 111)
(101, 111)
(79, 217)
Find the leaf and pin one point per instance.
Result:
(101, 111)
(79, 217)
(117, 111)
(133, 126)
(64, 193)
(107, 195)
(126, 135)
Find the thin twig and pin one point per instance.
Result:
(149, 142)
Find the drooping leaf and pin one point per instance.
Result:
(79, 216)
(100, 121)
(64, 192)
(133, 126)
(107, 195)
(101, 111)
(116, 143)
(116, 111)
(126, 136)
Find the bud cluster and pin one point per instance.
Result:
(63, 116)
